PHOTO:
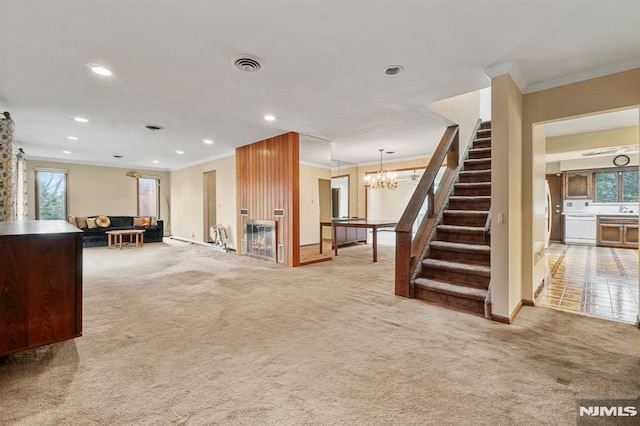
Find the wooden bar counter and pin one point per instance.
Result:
(40, 283)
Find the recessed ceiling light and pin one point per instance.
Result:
(393, 69)
(100, 70)
(155, 162)
(66, 152)
(73, 138)
(270, 117)
(179, 152)
(207, 141)
(81, 119)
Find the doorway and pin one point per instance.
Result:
(209, 204)
(590, 276)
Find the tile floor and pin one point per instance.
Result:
(597, 281)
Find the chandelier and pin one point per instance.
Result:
(381, 179)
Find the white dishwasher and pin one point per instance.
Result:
(580, 228)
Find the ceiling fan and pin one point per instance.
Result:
(413, 179)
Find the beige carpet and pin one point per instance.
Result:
(181, 334)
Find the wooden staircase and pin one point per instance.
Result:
(455, 271)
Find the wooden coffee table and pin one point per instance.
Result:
(114, 238)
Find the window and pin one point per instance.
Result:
(606, 187)
(51, 195)
(630, 186)
(616, 186)
(148, 197)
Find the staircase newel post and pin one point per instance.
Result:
(403, 264)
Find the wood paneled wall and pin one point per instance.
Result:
(268, 178)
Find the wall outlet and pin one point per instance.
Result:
(193, 234)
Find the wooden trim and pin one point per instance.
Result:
(500, 318)
(512, 317)
(311, 262)
(267, 174)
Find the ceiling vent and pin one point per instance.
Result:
(393, 70)
(247, 63)
(153, 127)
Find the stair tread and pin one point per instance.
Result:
(475, 172)
(471, 197)
(457, 266)
(488, 138)
(461, 228)
(474, 184)
(466, 212)
(451, 289)
(477, 160)
(463, 247)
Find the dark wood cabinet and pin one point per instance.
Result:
(577, 185)
(345, 235)
(40, 284)
(617, 232)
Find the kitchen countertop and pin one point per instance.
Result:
(599, 214)
(618, 214)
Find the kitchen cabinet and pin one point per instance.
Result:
(346, 235)
(577, 185)
(617, 231)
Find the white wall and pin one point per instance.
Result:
(187, 206)
(385, 204)
(485, 104)
(463, 110)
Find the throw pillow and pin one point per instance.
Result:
(103, 221)
(82, 222)
(154, 221)
(146, 221)
(91, 223)
(72, 220)
(139, 221)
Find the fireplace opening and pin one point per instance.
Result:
(260, 239)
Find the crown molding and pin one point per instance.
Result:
(584, 75)
(512, 69)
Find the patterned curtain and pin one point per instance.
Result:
(21, 185)
(6, 168)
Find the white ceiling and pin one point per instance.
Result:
(322, 75)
